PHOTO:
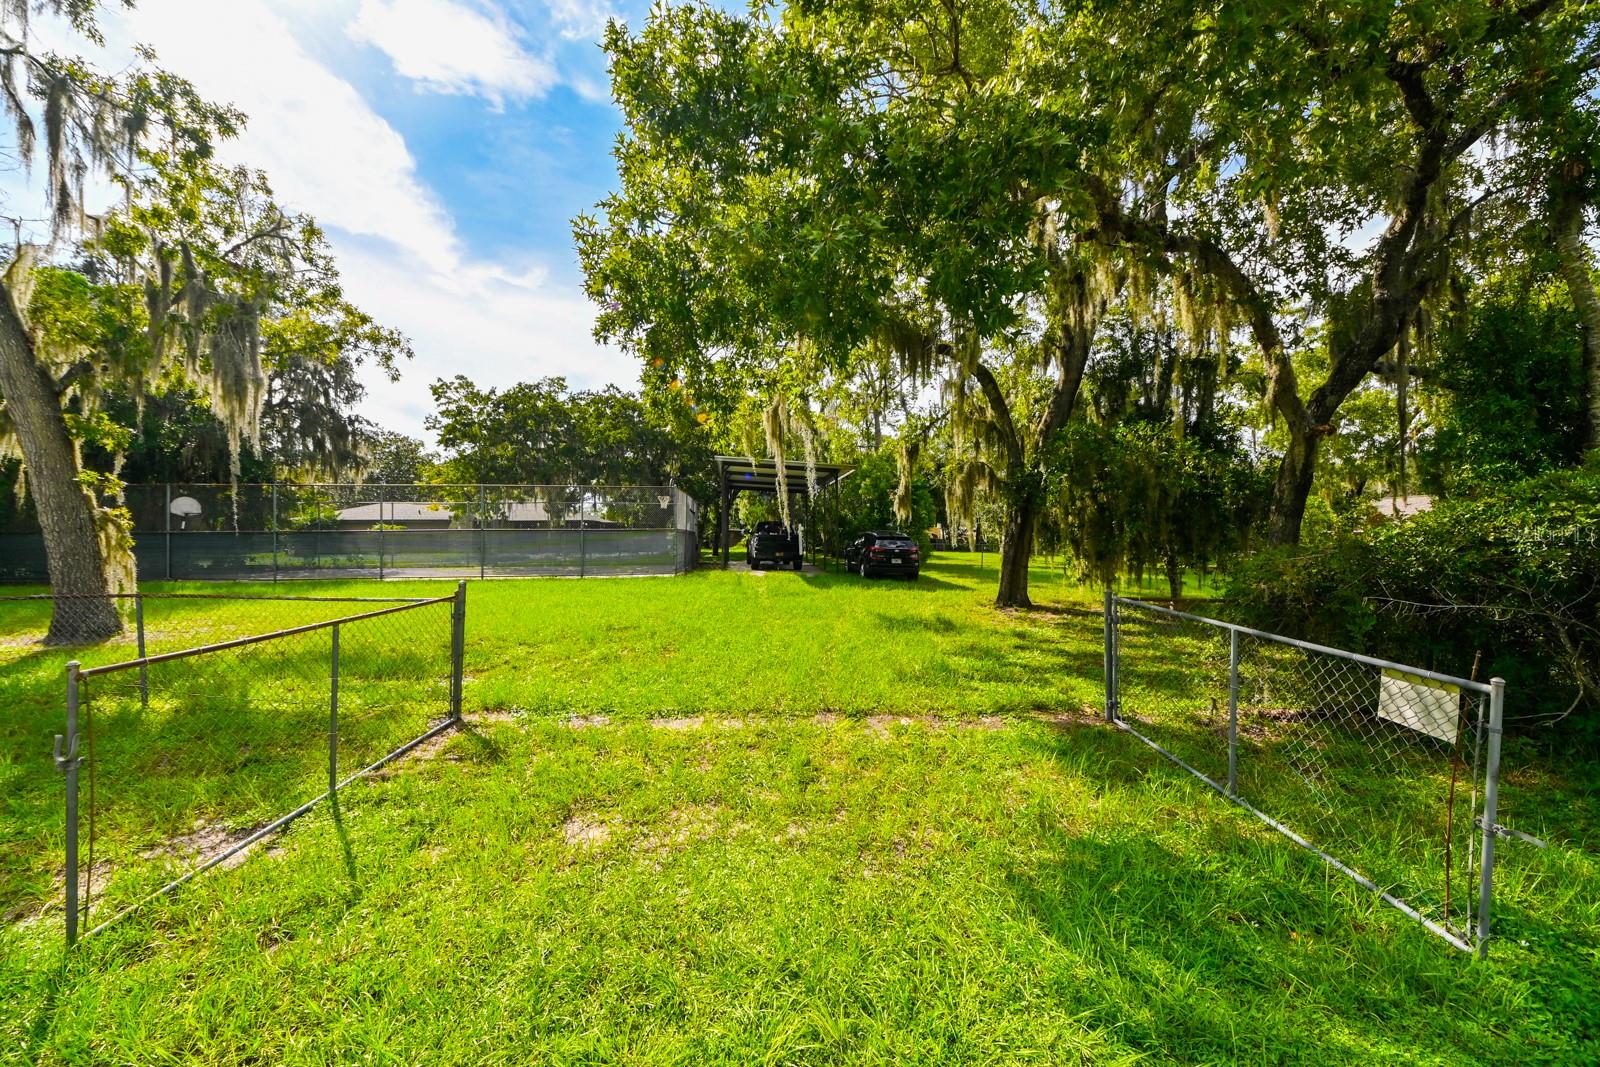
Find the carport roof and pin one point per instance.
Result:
(737, 472)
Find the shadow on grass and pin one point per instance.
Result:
(937, 624)
(43, 1021)
(1565, 973)
(1182, 946)
(1187, 936)
(336, 813)
(1190, 918)
(924, 582)
(1026, 657)
(481, 747)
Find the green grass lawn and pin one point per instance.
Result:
(778, 818)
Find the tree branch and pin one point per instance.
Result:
(1001, 411)
(73, 374)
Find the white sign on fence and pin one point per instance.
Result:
(1431, 708)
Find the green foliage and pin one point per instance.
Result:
(1362, 456)
(208, 299)
(312, 514)
(175, 438)
(1132, 497)
(1510, 393)
(751, 508)
(1513, 574)
(540, 433)
(396, 459)
(865, 501)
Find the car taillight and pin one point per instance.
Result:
(876, 550)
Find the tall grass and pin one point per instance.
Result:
(782, 818)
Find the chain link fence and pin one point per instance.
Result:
(1389, 773)
(183, 760)
(286, 531)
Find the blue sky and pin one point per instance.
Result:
(443, 144)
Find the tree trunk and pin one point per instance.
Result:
(72, 547)
(1293, 486)
(1573, 257)
(1022, 515)
(1174, 577)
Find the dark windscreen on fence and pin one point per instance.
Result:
(252, 531)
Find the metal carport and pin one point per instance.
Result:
(740, 473)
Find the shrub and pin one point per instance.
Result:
(1513, 575)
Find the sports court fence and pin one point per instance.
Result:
(1389, 773)
(284, 531)
(180, 761)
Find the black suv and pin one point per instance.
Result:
(883, 552)
(773, 544)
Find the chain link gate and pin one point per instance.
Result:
(247, 727)
(1389, 773)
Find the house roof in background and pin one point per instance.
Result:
(1403, 507)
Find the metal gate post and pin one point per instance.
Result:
(1233, 713)
(333, 715)
(66, 755)
(1491, 803)
(458, 645)
(1111, 655)
(144, 668)
(483, 537)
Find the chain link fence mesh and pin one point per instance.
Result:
(243, 710)
(1384, 770)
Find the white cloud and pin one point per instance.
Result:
(323, 148)
(580, 20)
(448, 47)
(328, 153)
(494, 325)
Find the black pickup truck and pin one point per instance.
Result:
(772, 544)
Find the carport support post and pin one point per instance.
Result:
(722, 522)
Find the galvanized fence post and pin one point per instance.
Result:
(274, 533)
(483, 537)
(1491, 803)
(333, 714)
(1111, 655)
(458, 644)
(381, 529)
(168, 522)
(66, 756)
(1233, 713)
(144, 668)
